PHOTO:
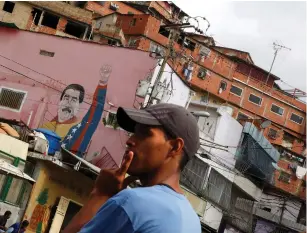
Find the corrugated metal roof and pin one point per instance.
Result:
(258, 136)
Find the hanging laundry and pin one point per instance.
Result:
(188, 70)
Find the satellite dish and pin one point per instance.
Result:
(265, 124)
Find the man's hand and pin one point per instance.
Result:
(110, 182)
(105, 72)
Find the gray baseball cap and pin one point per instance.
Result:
(174, 119)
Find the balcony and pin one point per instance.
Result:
(256, 156)
(113, 32)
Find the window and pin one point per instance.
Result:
(272, 133)
(194, 174)
(189, 45)
(46, 53)
(50, 20)
(204, 51)
(11, 99)
(284, 177)
(8, 6)
(132, 42)
(223, 86)
(133, 22)
(266, 209)
(236, 90)
(181, 39)
(218, 189)
(296, 118)
(111, 120)
(242, 116)
(74, 29)
(14, 191)
(36, 14)
(164, 32)
(111, 42)
(202, 73)
(255, 99)
(204, 98)
(276, 109)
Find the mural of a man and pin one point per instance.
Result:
(79, 136)
(68, 108)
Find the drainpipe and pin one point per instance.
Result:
(30, 117)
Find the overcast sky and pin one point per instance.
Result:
(253, 27)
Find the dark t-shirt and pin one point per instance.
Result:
(3, 221)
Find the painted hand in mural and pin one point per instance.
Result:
(105, 72)
(110, 182)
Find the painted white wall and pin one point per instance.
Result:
(176, 92)
(226, 131)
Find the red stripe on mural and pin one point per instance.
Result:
(78, 142)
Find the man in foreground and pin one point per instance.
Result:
(165, 137)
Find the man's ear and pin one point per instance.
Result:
(177, 146)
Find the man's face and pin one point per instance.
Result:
(150, 148)
(69, 105)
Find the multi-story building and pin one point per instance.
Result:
(219, 76)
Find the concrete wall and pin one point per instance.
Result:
(54, 182)
(74, 61)
(174, 91)
(19, 16)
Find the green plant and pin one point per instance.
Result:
(43, 197)
(39, 227)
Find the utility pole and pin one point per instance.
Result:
(166, 56)
(277, 48)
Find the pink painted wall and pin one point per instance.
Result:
(74, 62)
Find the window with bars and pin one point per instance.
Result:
(236, 90)
(284, 177)
(11, 99)
(194, 174)
(276, 109)
(218, 189)
(296, 118)
(255, 99)
(272, 133)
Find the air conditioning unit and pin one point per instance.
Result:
(114, 6)
(202, 74)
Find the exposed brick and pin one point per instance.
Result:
(62, 24)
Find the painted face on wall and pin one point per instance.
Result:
(69, 105)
